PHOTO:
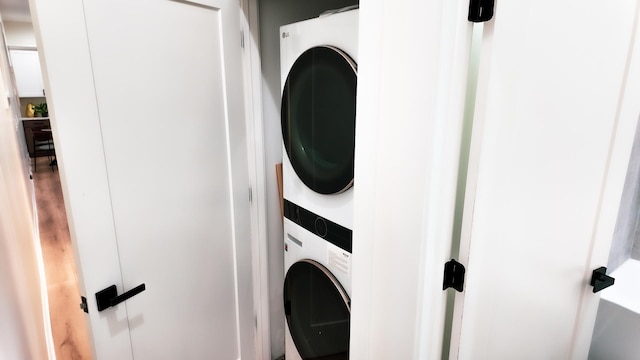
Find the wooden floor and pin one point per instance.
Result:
(67, 319)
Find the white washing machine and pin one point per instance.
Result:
(316, 296)
(319, 76)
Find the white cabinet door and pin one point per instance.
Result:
(549, 141)
(26, 68)
(149, 123)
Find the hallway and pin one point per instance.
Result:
(67, 319)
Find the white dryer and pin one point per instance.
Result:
(318, 69)
(319, 77)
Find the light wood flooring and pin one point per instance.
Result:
(67, 319)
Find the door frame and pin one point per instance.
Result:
(257, 173)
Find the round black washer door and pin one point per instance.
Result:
(318, 311)
(318, 117)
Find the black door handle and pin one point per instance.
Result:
(600, 280)
(109, 297)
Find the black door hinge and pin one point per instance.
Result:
(83, 304)
(480, 10)
(453, 275)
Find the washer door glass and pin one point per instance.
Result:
(319, 118)
(318, 311)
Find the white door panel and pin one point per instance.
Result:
(411, 94)
(161, 100)
(168, 87)
(547, 110)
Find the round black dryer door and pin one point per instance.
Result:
(319, 118)
(318, 311)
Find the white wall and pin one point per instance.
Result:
(9, 92)
(272, 15)
(633, 175)
(19, 34)
(626, 242)
(635, 252)
(25, 331)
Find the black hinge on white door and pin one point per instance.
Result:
(480, 10)
(453, 275)
(242, 39)
(83, 304)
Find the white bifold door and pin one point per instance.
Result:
(147, 104)
(556, 110)
(548, 130)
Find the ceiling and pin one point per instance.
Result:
(15, 10)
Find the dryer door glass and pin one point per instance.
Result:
(318, 311)
(318, 118)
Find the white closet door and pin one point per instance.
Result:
(150, 125)
(411, 94)
(547, 140)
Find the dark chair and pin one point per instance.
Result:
(43, 146)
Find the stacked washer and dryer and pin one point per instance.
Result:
(319, 75)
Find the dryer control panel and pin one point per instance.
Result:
(334, 233)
